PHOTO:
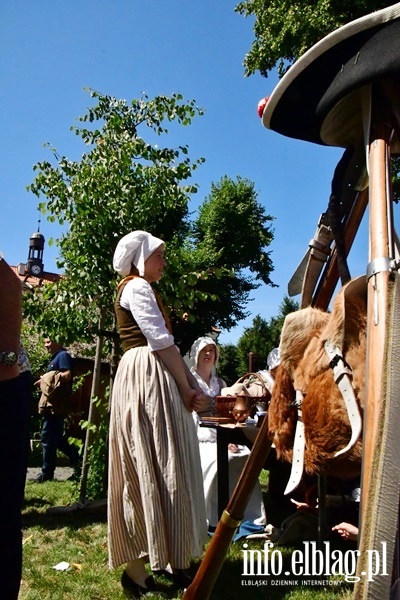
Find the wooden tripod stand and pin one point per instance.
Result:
(380, 128)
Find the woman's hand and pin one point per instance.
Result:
(347, 531)
(175, 364)
(187, 394)
(200, 402)
(194, 399)
(303, 506)
(298, 504)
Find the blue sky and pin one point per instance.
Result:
(50, 51)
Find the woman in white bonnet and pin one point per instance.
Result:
(156, 510)
(204, 354)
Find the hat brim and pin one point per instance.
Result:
(318, 100)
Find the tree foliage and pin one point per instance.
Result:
(228, 242)
(127, 179)
(284, 30)
(256, 340)
(221, 239)
(121, 183)
(32, 341)
(262, 336)
(228, 364)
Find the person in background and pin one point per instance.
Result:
(350, 532)
(53, 437)
(279, 471)
(156, 510)
(301, 525)
(16, 403)
(204, 353)
(347, 531)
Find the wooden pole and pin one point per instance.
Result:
(251, 358)
(380, 224)
(92, 408)
(206, 576)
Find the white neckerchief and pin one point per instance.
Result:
(211, 389)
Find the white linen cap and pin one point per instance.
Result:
(133, 249)
(198, 346)
(273, 359)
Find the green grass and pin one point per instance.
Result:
(80, 539)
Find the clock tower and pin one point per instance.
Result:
(34, 264)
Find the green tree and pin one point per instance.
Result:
(121, 183)
(287, 306)
(228, 241)
(284, 30)
(128, 180)
(125, 182)
(228, 364)
(32, 341)
(261, 337)
(255, 339)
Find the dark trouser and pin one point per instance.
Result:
(15, 410)
(53, 439)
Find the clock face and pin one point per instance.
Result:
(36, 269)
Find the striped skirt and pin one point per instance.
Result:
(155, 491)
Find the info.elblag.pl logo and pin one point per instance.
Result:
(312, 562)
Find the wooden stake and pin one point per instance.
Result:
(206, 576)
(380, 221)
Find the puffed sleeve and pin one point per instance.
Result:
(139, 298)
(64, 361)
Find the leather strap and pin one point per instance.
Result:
(342, 376)
(350, 177)
(296, 472)
(319, 253)
(307, 273)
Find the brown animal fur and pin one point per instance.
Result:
(305, 366)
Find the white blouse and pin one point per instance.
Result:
(211, 389)
(138, 297)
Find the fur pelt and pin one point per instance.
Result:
(305, 366)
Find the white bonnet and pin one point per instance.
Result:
(134, 248)
(198, 346)
(273, 359)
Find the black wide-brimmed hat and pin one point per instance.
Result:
(321, 97)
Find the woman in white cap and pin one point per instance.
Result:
(204, 354)
(156, 510)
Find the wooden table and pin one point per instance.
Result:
(228, 434)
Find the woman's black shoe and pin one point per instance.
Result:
(180, 577)
(134, 590)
